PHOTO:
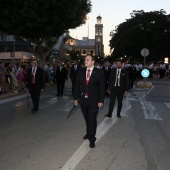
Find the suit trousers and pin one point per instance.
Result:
(35, 96)
(60, 86)
(116, 92)
(90, 113)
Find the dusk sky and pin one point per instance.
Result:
(114, 12)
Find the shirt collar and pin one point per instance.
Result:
(91, 69)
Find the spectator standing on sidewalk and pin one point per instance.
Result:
(3, 78)
(20, 76)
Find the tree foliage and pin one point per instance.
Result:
(42, 21)
(143, 30)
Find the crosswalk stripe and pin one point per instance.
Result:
(149, 110)
(168, 105)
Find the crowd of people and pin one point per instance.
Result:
(10, 72)
(91, 83)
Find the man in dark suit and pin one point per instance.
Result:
(131, 75)
(61, 76)
(90, 86)
(35, 83)
(118, 87)
(107, 70)
(73, 74)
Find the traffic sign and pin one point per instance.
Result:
(145, 73)
(144, 52)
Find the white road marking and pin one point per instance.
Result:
(49, 103)
(132, 99)
(148, 91)
(102, 129)
(12, 99)
(19, 104)
(126, 105)
(149, 111)
(168, 105)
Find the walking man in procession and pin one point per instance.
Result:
(118, 87)
(90, 90)
(35, 83)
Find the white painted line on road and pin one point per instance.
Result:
(12, 99)
(132, 99)
(149, 111)
(102, 129)
(63, 110)
(148, 91)
(50, 103)
(19, 104)
(55, 98)
(126, 105)
(168, 105)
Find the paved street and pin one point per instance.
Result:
(140, 140)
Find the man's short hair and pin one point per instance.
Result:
(119, 61)
(34, 58)
(92, 57)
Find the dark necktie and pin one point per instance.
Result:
(33, 75)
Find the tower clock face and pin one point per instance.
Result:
(98, 39)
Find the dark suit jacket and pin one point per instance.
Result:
(73, 72)
(123, 80)
(39, 78)
(95, 87)
(61, 75)
(107, 73)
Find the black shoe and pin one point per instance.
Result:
(119, 116)
(85, 137)
(92, 144)
(58, 94)
(32, 110)
(108, 115)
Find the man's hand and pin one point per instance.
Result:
(42, 90)
(108, 91)
(125, 93)
(100, 104)
(75, 102)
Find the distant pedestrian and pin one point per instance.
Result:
(61, 76)
(107, 70)
(131, 76)
(73, 74)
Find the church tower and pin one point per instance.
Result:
(99, 47)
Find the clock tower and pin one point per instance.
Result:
(99, 37)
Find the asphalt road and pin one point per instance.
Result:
(140, 140)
